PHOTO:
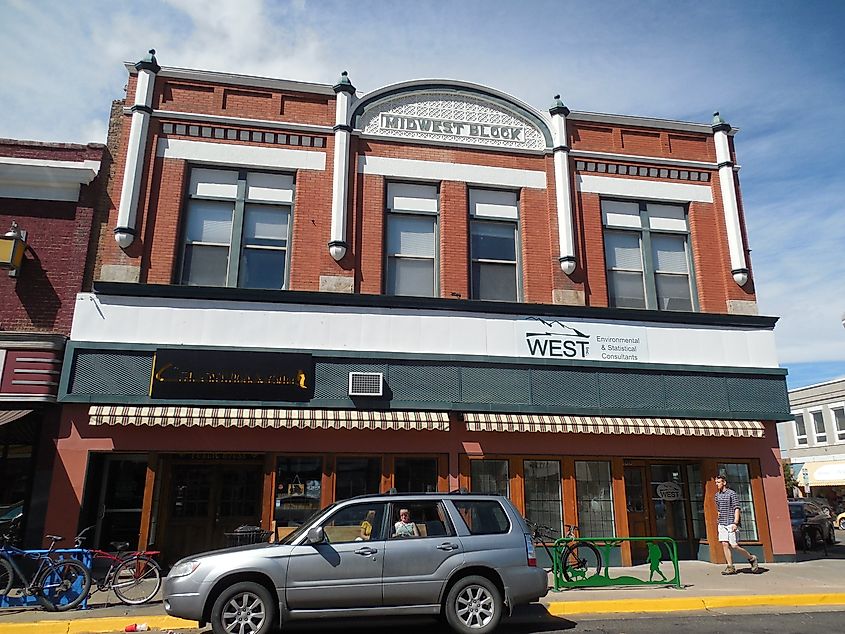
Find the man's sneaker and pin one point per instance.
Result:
(729, 570)
(753, 562)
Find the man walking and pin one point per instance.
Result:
(727, 503)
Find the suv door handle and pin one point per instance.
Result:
(447, 546)
(366, 551)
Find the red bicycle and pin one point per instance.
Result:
(134, 576)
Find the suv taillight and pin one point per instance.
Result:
(530, 552)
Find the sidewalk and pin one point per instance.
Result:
(809, 583)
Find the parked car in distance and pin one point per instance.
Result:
(10, 516)
(465, 558)
(809, 524)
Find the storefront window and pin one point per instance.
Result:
(356, 476)
(543, 501)
(739, 480)
(191, 490)
(489, 476)
(415, 475)
(298, 489)
(696, 491)
(668, 495)
(593, 486)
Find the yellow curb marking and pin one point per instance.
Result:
(96, 625)
(562, 608)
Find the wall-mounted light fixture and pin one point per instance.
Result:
(12, 247)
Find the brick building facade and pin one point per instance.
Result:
(49, 192)
(304, 294)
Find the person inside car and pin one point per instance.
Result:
(367, 526)
(405, 527)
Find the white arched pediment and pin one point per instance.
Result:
(451, 114)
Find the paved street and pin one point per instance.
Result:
(737, 621)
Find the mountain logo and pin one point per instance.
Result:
(559, 340)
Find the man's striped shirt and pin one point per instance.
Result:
(727, 502)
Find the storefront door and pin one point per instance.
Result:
(639, 524)
(121, 501)
(207, 500)
(670, 506)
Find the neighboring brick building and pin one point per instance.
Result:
(48, 192)
(315, 294)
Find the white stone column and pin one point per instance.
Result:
(345, 92)
(563, 194)
(727, 184)
(124, 232)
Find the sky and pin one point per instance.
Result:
(774, 69)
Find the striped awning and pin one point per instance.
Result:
(11, 415)
(267, 418)
(607, 425)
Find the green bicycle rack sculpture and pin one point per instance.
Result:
(581, 562)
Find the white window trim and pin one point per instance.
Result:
(818, 410)
(840, 434)
(798, 438)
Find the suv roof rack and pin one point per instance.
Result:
(392, 491)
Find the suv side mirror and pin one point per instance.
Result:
(315, 535)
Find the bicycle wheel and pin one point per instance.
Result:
(64, 584)
(580, 560)
(6, 576)
(136, 580)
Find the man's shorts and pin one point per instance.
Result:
(726, 535)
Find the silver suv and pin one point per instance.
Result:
(463, 557)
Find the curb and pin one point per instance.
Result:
(554, 608)
(565, 608)
(96, 625)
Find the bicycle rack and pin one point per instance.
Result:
(603, 579)
(16, 596)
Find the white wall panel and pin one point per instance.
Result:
(241, 155)
(653, 190)
(460, 172)
(160, 321)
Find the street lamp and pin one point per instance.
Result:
(12, 247)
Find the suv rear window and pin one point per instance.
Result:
(483, 517)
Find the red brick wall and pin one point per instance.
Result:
(157, 247)
(42, 297)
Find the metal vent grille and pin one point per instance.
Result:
(366, 383)
(111, 373)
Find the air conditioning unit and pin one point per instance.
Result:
(366, 384)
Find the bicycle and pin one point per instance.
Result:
(134, 576)
(58, 585)
(578, 559)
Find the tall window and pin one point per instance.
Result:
(543, 501)
(236, 229)
(411, 240)
(800, 430)
(594, 488)
(839, 417)
(739, 480)
(647, 256)
(493, 244)
(818, 424)
(489, 476)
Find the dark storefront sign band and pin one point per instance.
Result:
(232, 375)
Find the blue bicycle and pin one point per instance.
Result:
(57, 584)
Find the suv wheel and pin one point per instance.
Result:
(473, 606)
(245, 608)
(842, 524)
